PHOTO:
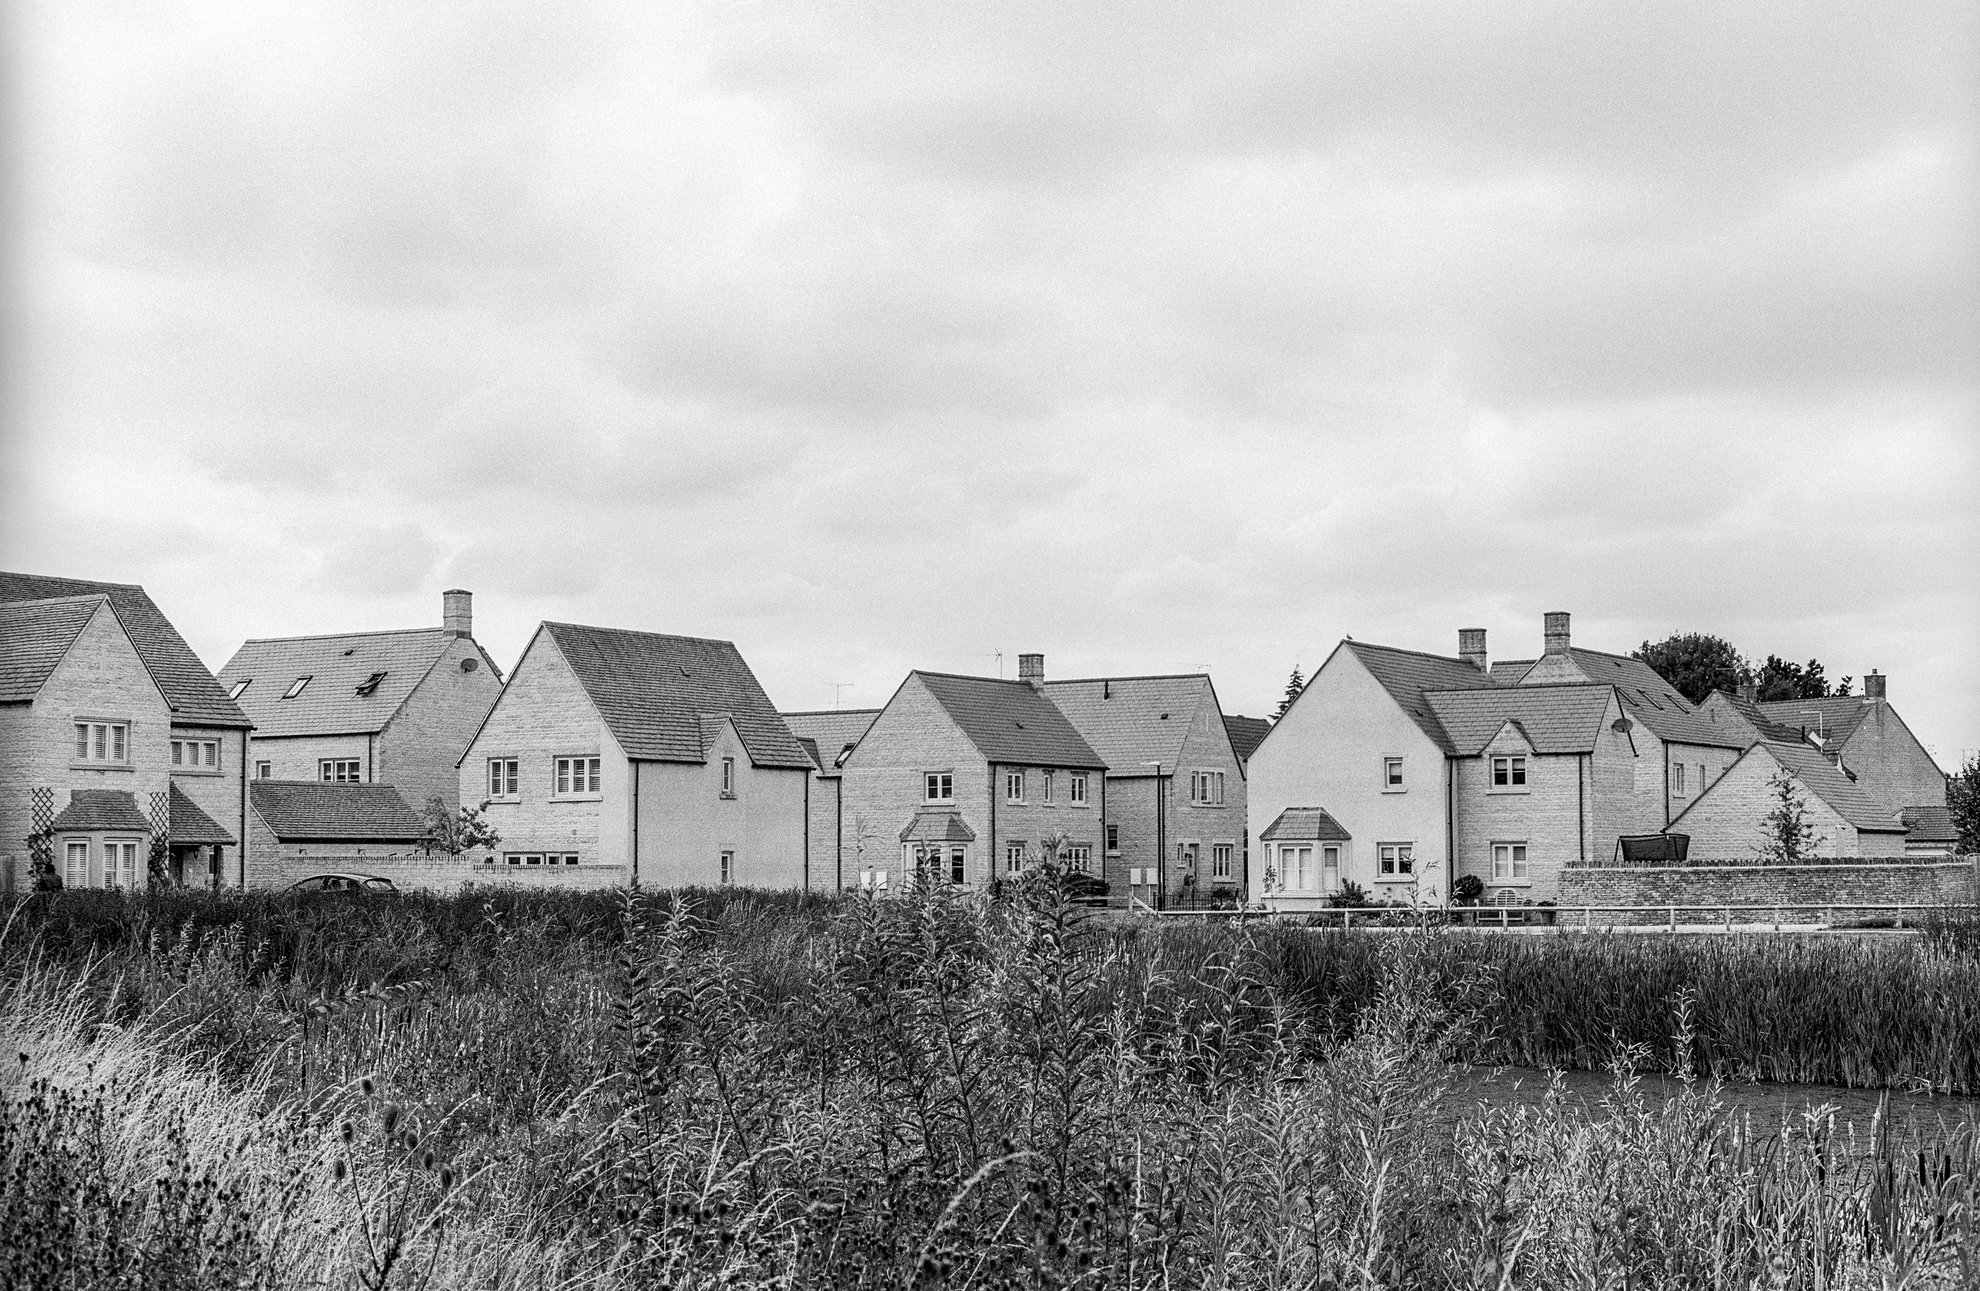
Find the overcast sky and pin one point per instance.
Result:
(886, 336)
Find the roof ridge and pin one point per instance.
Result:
(823, 712)
(1521, 688)
(1151, 676)
(57, 600)
(64, 578)
(335, 636)
(968, 676)
(636, 632)
(1421, 654)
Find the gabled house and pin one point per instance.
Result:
(392, 707)
(1174, 826)
(1246, 733)
(304, 827)
(1727, 821)
(1865, 735)
(616, 756)
(117, 746)
(967, 779)
(829, 736)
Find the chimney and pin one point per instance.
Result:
(457, 612)
(1471, 647)
(1873, 685)
(1749, 691)
(1031, 670)
(1555, 628)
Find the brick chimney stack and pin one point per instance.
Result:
(457, 612)
(1555, 628)
(1873, 685)
(1031, 670)
(1749, 691)
(1471, 647)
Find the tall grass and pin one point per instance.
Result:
(693, 1089)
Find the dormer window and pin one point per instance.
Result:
(370, 684)
(295, 688)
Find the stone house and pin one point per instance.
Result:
(829, 736)
(1175, 787)
(1246, 733)
(967, 779)
(1727, 821)
(394, 707)
(1432, 767)
(115, 741)
(615, 756)
(303, 827)
(1865, 735)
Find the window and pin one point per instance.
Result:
(102, 742)
(1186, 857)
(541, 858)
(1701, 777)
(1079, 858)
(1508, 773)
(728, 777)
(1296, 867)
(938, 786)
(728, 868)
(1221, 855)
(873, 880)
(576, 777)
(120, 865)
(958, 865)
(1113, 840)
(1392, 773)
(1330, 868)
(1206, 788)
(1076, 788)
(1509, 862)
(1050, 778)
(295, 688)
(75, 865)
(340, 770)
(503, 780)
(240, 688)
(1013, 857)
(196, 754)
(1393, 860)
(1013, 786)
(369, 686)
(1680, 778)
(264, 770)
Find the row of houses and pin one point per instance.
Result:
(611, 756)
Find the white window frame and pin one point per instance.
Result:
(325, 774)
(1511, 863)
(1050, 781)
(505, 785)
(1079, 857)
(1678, 783)
(122, 853)
(1223, 857)
(264, 770)
(956, 869)
(1113, 837)
(1014, 858)
(1206, 788)
(1395, 862)
(938, 787)
(1330, 875)
(1014, 785)
(1392, 773)
(1076, 788)
(728, 777)
(575, 776)
(726, 865)
(75, 862)
(194, 756)
(102, 742)
(297, 686)
(538, 858)
(1296, 866)
(1513, 767)
(240, 688)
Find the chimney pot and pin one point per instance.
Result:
(1471, 647)
(1031, 670)
(1555, 627)
(1873, 685)
(457, 612)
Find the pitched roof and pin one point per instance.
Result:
(1132, 721)
(195, 697)
(828, 733)
(1008, 721)
(1555, 719)
(1655, 702)
(320, 811)
(1298, 823)
(34, 636)
(94, 809)
(653, 689)
(938, 827)
(1768, 727)
(1246, 733)
(1507, 672)
(1929, 825)
(1836, 717)
(1834, 786)
(337, 666)
(1406, 674)
(191, 824)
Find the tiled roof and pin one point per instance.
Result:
(1929, 824)
(1246, 734)
(938, 827)
(337, 665)
(1555, 719)
(1836, 717)
(1406, 674)
(192, 692)
(827, 733)
(191, 824)
(1768, 727)
(319, 811)
(653, 689)
(93, 809)
(1298, 823)
(1832, 785)
(1507, 672)
(1132, 721)
(34, 635)
(1654, 702)
(1010, 722)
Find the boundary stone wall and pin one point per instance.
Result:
(1884, 883)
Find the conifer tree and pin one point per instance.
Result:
(1293, 687)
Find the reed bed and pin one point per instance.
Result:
(508, 1089)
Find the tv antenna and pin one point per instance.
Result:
(998, 655)
(837, 686)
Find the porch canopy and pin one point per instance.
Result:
(1304, 824)
(938, 827)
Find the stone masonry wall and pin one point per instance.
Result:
(420, 749)
(1823, 885)
(410, 870)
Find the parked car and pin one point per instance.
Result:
(343, 883)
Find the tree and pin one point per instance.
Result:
(1293, 687)
(1787, 836)
(1779, 679)
(1695, 663)
(454, 833)
(1963, 797)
